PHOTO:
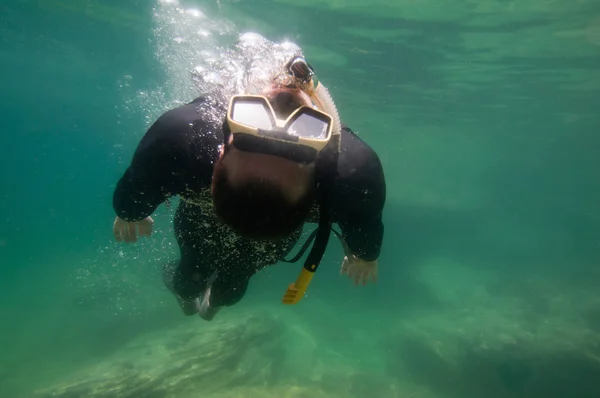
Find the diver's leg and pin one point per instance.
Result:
(187, 278)
(226, 290)
(169, 270)
(229, 289)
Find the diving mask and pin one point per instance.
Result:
(256, 128)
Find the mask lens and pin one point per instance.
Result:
(309, 126)
(252, 113)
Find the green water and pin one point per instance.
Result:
(484, 114)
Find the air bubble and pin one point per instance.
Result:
(195, 13)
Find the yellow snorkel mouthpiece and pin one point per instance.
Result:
(295, 291)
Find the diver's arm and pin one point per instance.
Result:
(360, 220)
(157, 169)
(360, 200)
(363, 237)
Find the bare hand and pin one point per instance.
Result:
(360, 271)
(128, 231)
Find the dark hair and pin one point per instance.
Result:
(284, 103)
(258, 209)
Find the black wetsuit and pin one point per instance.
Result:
(176, 157)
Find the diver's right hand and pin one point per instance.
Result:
(128, 231)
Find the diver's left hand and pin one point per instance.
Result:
(360, 271)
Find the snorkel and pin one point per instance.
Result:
(301, 75)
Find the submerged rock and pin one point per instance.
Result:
(196, 357)
(272, 355)
(502, 347)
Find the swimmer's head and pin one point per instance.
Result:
(286, 100)
(263, 196)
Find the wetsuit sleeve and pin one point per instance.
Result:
(360, 200)
(157, 170)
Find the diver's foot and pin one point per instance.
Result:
(204, 309)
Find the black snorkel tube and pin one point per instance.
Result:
(302, 75)
(326, 174)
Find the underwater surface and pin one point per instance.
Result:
(485, 117)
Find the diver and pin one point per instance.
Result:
(248, 183)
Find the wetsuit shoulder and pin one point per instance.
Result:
(360, 193)
(175, 155)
